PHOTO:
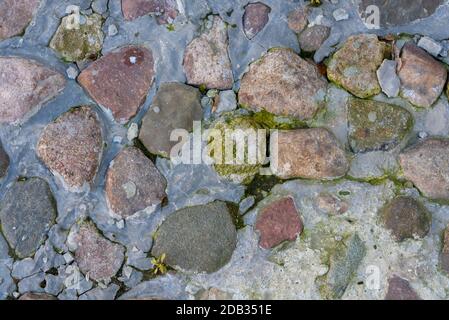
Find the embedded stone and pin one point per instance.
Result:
(331, 205)
(388, 78)
(175, 106)
(165, 10)
(283, 84)
(400, 289)
(72, 145)
(278, 222)
(4, 161)
(355, 64)
(27, 212)
(120, 80)
(255, 18)
(25, 85)
(133, 183)
(37, 296)
(313, 38)
(297, 20)
(206, 60)
(444, 256)
(15, 16)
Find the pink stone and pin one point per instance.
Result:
(165, 10)
(255, 18)
(15, 16)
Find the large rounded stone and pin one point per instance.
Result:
(27, 212)
(175, 106)
(120, 80)
(376, 126)
(206, 59)
(406, 218)
(15, 16)
(72, 145)
(283, 84)
(310, 154)
(133, 183)
(427, 166)
(354, 66)
(199, 238)
(25, 85)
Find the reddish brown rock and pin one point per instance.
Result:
(310, 154)
(255, 18)
(422, 77)
(165, 10)
(444, 256)
(297, 20)
(427, 166)
(331, 205)
(133, 183)
(400, 289)
(278, 222)
(120, 80)
(25, 85)
(206, 60)
(15, 16)
(284, 84)
(313, 38)
(96, 256)
(71, 146)
(37, 296)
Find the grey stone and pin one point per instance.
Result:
(100, 293)
(430, 45)
(32, 284)
(100, 6)
(388, 78)
(24, 268)
(313, 37)
(227, 101)
(340, 14)
(168, 287)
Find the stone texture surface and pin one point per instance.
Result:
(355, 64)
(311, 39)
(37, 296)
(331, 204)
(133, 183)
(96, 256)
(4, 161)
(27, 212)
(206, 60)
(72, 145)
(24, 85)
(297, 20)
(400, 289)
(175, 106)
(165, 10)
(375, 126)
(120, 80)
(82, 43)
(444, 255)
(284, 84)
(278, 222)
(255, 18)
(406, 218)
(310, 154)
(199, 238)
(388, 78)
(15, 16)
(422, 77)
(427, 166)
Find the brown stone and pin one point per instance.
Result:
(310, 154)
(284, 84)
(72, 145)
(96, 256)
(313, 38)
(427, 166)
(444, 256)
(213, 294)
(133, 183)
(331, 205)
(25, 85)
(422, 77)
(15, 16)
(4, 161)
(37, 296)
(164, 10)
(120, 80)
(297, 20)
(255, 18)
(206, 60)
(278, 222)
(400, 289)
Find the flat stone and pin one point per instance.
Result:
(388, 79)
(430, 45)
(340, 14)
(72, 145)
(4, 161)
(97, 257)
(310, 154)
(206, 60)
(132, 168)
(406, 218)
(311, 39)
(422, 77)
(400, 289)
(226, 101)
(27, 212)
(375, 126)
(37, 296)
(444, 255)
(283, 84)
(25, 85)
(165, 10)
(79, 43)
(427, 166)
(255, 18)
(331, 205)
(355, 64)
(278, 222)
(15, 16)
(120, 80)
(200, 238)
(297, 19)
(175, 106)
